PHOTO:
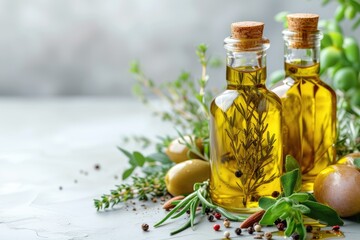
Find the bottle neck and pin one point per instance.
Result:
(245, 66)
(302, 51)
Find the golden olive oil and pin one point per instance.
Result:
(246, 146)
(309, 121)
(309, 105)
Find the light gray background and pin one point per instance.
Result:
(84, 47)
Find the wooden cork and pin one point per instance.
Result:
(247, 30)
(249, 34)
(299, 22)
(304, 26)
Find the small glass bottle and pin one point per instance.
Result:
(245, 126)
(309, 105)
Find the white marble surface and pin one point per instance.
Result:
(45, 144)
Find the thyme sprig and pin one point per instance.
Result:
(141, 187)
(191, 203)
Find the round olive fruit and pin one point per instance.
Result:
(178, 152)
(329, 56)
(338, 186)
(345, 79)
(180, 179)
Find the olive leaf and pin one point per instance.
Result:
(266, 202)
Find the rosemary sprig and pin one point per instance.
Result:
(191, 203)
(141, 188)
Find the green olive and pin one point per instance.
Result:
(329, 57)
(337, 39)
(181, 178)
(340, 13)
(350, 12)
(178, 152)
(345, 79)
(351, 50)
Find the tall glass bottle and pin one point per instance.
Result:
(309, 105)
(245, 126)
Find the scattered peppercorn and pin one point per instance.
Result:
(250, 230)
(258, 236)
(336, 228)
(238, 173)
(75, 180)
(60, 188)
(207, 210)
(275, 194)
(257, 228)
(97, 166)
(216, 227)
(295, 236)
(280, 226)
(268, 235)
(238, 231)
(210, 218)
(309, 228)
(227, 234)
(226, 223)
(145, 227)
(217, 215)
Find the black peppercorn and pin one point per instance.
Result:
(295, 236)
(309, 228)
(238, 173)
(275, 194)
(238, 231)
(250, 230)
(145, 227)
(280, 226)
(210, 218)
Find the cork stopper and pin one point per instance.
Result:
(300, 22)
(247, 36)
(247, 30)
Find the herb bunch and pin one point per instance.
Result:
(292, 205)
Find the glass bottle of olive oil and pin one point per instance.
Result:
(245, 126)
(309, 105)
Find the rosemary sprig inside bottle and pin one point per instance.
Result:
(191, 203)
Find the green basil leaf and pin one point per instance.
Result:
(299, 197)
(323, 213)
(288, 181)
(311, 197)
(139, 158)
(128, 172)
(266, 202)
(301, 230)
(292, 164)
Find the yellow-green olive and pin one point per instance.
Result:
(178, 152)
(181, 178)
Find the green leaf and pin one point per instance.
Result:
(290, 227)
(128, 172)
(302, 208)
(281, 17)
(323, 213)
(268, 218)
(357, 162)
(288, 181)
(266, 202)
(356, 24)
(160, 157)
(126, 153)
(139, 158)
(299, 197)
(291, 164)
